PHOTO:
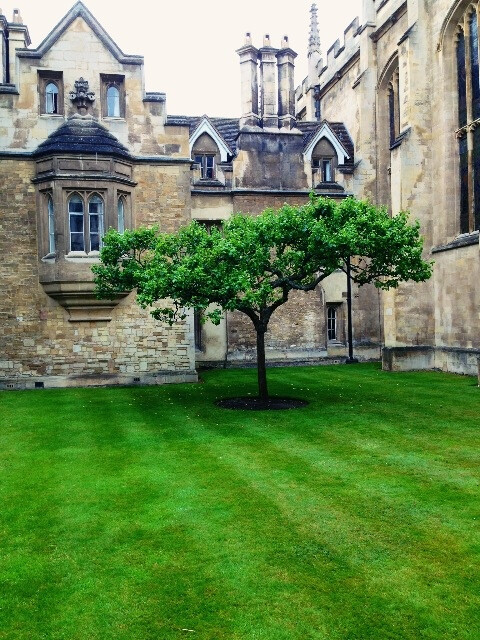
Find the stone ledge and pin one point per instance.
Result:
(465, 240)
(103, 380)
(423, 357)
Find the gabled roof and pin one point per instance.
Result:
(82, 134)
(335, 132)
(79, 10)
(206, 126)
(226, 128)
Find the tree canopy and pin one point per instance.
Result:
(252, 263)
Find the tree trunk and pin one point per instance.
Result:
(261, 366)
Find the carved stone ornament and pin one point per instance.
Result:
(82, 97)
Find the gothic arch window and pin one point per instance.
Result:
(51, 98)
(468, 131)
(393, 108)
(113, 102)
(112, 95)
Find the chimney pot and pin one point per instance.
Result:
(17, 18)
(266, 40)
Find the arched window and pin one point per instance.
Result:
(75, 214)
(324, 160)
(113, 102)
(121, 214)
(468, 133)
(51, 225)
(51, 98)
(393, 107)
(95, 222)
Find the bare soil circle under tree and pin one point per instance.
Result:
(253, 403)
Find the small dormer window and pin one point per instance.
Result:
(207, 166)
(323, 169)
(113, 102)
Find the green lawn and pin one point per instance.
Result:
(142, 513)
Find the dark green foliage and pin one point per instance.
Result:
(253, 263)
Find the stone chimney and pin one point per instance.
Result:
(249, 83)
(268, 81)
(18, 38)
(286, 85)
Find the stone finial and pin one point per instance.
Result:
(17, 18)
(82, 97)
(266, 40)
(248, 38)
(314, 37)
(284, 44)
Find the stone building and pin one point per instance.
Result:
(84, 148)
(406, 85)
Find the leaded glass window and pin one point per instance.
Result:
(95, 222)
(468, 133)
(75, 214)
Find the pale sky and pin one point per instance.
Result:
(189, 45)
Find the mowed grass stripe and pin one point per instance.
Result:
(146, 509)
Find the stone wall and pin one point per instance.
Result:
(38, 341)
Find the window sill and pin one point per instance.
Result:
(52, 115)
(113, 118)
(208, 182)
(50, 257)
(81, 256)
(400, 138)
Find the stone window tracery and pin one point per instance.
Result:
(468, 131)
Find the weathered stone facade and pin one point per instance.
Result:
(53, 332)
(83, 148)
(394, 82)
